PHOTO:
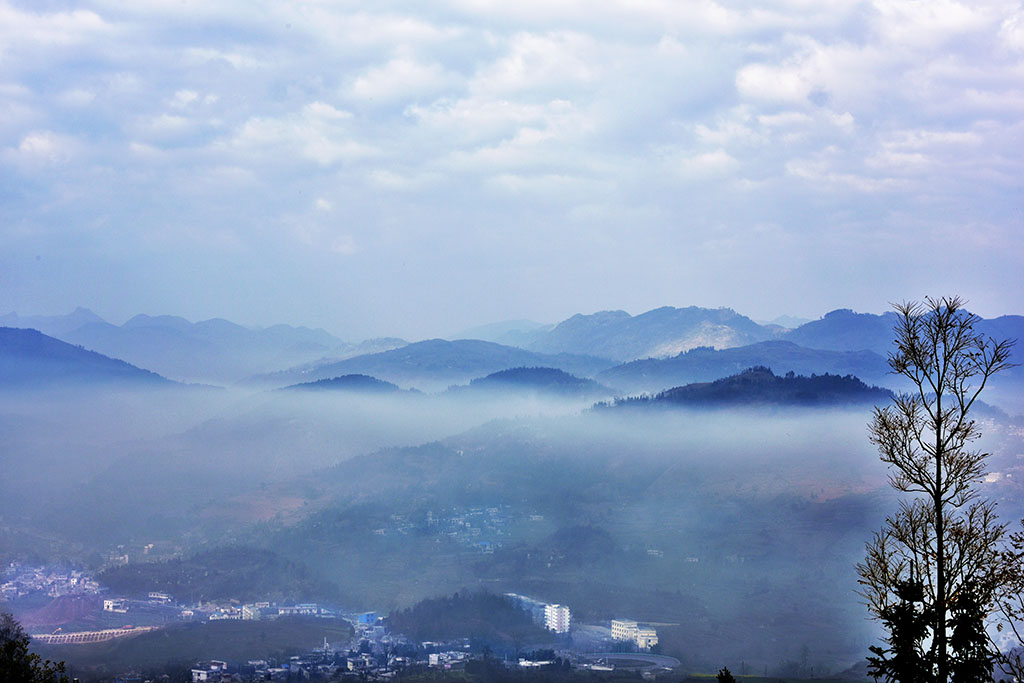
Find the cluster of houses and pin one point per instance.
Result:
(481, 528)
(255, 611)
(21, 580)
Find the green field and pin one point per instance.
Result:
(232, 641)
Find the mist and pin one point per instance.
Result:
(732, 514)
(736, 528)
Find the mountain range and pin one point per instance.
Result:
(664, 331)
(435, 364)
(704, 364)
(650, 352)
(214, 351)
(29, 358)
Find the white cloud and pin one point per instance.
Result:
(203, 55)
(927, 24)
(368, 29)
(772, 83)
(184, 98)
(317, 133)
(1011, 31)
(537, 62)
(401, 79)
(47, 30)
(43, 148)
(706, 166)
(344, 245)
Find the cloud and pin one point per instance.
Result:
(401, 79)
(318, 133)
(43, 148)
(418, 123)
(44, 31)
(706, 166)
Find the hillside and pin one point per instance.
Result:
(706, 364)
(660, 332)
(536, 380)
(29, 358)
(846, 330)
(436, 364)
(353, 383)
(759, 385)
(485, 616)
(233, 572)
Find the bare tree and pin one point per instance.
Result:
(1010, 602)
(944, 538)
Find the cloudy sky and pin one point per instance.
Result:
(385, 168)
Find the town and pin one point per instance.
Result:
(374, 650)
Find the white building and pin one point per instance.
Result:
(117, 605)
(556, 618)
(624, 629)
(646, 638)
(629, 630)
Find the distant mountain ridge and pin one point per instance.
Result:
(52, 325)
(31, 359)
(509, 332)
(664, 331)
(847, 330)
(215, 350)
(705, 364)
(435, 364)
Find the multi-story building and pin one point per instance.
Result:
(556, 618)
(629, 630)
(624, 629)
(646, 638)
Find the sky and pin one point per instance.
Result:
(411, 168)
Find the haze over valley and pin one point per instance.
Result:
(725, 492)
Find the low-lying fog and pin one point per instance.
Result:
(738, 528)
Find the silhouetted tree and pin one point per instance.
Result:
(725, 676)
(945, 536)
(909, 623)
(17, 664)
(972, 659)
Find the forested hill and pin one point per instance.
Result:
(484, 616)
(541, 380)
(354, 383)
(759, 385)
(29, 358)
